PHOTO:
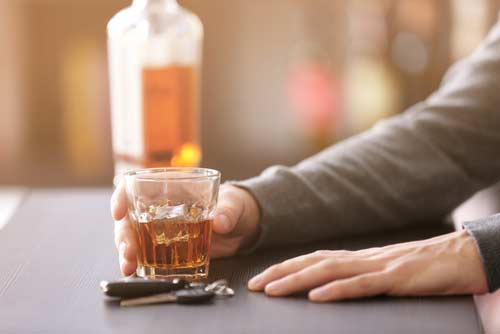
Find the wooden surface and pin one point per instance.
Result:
(59, 246)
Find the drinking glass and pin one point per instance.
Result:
(171, 210)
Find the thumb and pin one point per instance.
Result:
(228, 213)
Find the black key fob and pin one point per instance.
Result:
(194, 296)
(138, 287)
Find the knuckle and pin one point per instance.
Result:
(342, 253)
(322, 253)
(402, 268)
(229, 209)
(115, 193)
(373, 251)
(295, 278)
(422, 249)
(289, 262)
(121, 231)
(229, 194)
(229, 213)
(326, 264)
(378, 257)
(274, 269)
(225, 187)
(365, 282)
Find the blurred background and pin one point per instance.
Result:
(282, 79)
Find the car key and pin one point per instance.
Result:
(138, 287)
(184, 296)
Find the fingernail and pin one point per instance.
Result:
(273, 287)
(316, 295)
(224, 221)
(254, 281)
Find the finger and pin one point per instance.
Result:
(119, 202)
(319, 274)
(280, 270)
(126, 243)
(216, 253)
(223, 246)
(228, 212)
(127, 267)
(366, 285)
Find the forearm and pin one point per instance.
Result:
(412, 168)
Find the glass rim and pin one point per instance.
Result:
(195, 173)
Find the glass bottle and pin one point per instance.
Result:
(155, 51)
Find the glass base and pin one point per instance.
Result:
(187, 273)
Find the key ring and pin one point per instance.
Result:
(220, 288)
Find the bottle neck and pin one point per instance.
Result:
(143, 4)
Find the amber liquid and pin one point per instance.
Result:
(174, 244)
(170, 118)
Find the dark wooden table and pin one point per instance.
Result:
(59, 246)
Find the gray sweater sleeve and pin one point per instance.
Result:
(412, 168)
(486, 233)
